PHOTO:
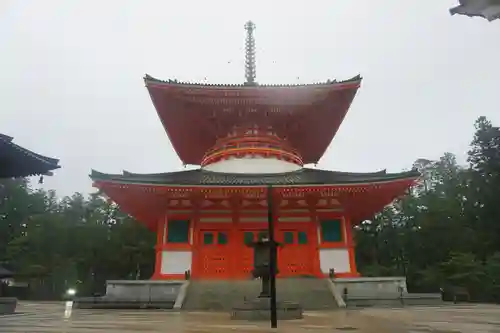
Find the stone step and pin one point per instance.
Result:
(312, 294)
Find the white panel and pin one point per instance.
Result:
(338, 259)
(175, 262)
(252, 165)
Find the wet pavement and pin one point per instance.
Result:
(59, 317)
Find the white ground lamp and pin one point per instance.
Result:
(71, 292)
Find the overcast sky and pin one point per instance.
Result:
(71, 75)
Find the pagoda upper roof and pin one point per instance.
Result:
(195, 115)
(200, 177)
(150, 79)
(21, 162)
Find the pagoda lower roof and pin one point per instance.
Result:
(16, 161)
(148, 196)
(303, 177)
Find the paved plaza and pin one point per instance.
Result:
(59, 317)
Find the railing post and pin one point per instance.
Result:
(345, 295)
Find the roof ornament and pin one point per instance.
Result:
(250, 71)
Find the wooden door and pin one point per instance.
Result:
(215, 260)
(295, 256)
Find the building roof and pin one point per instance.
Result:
(195, 115)
(5, 273)
(488, 9)
(150, 79)
(17, 161)
(200, 177)
(148, 196)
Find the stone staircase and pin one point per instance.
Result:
(311, 293)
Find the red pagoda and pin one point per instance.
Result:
(246, 138)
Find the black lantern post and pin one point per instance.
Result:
(261, 259)
(265, 264)
(265, 261)
(272, 257)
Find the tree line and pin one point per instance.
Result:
(445, 231)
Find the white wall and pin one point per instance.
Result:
(338, 259)
(252, 165)
(175, 262)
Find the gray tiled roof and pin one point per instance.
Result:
(21, 162)
(305, 176)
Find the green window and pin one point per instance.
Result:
(178, 231)
(288, 237)
(222, 238)
(302, 237)
(262, 235)
(248, 237)
(331, 230)
(208, 238)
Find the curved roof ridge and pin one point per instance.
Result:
(202, 177)
(156, 174)
(383, 172)
(22, 162)
(149, 78)
(348, 173)
(6, 137)
(45, 159)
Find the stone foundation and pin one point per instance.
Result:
(7, 305)
(380, 292)
(360, 285)
(137, 294)
(259, 309)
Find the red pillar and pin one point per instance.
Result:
(194, 241)
(351, 248)
(313, 234)
(160, 241)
